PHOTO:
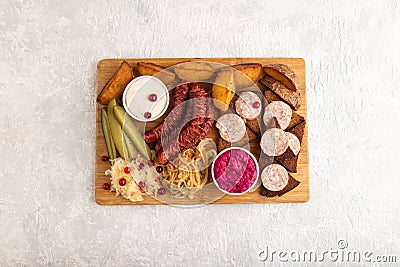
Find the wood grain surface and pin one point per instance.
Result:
(105, 70)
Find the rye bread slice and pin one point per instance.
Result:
(284, 74)
(292, 184)
(296, 118)
(290, 163)
(253, 124)
(251, 137)
(290, 97)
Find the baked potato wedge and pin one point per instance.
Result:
(283, 74)
(194, 71)
(116, 85)
(146, 68)
(223, 89)
(247, 74)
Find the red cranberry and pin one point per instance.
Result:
(142, 184)
(141, 166)
(161, 191)
(151, 162)
(147, 115)
(127, 170)
(106, 186)
(104, 158)
(122, 182)
(153, 97)
(256, 104)
(159, 169)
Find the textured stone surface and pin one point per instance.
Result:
(49, 52)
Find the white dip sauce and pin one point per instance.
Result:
(137, 100)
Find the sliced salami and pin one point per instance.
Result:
(231, 127)
(274, 142)
(274, 177)
(279, 110)
(294, 143)
(248, 105)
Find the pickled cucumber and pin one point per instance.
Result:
(128, 126)
(132, 151)
(116, 131)
(112, 153)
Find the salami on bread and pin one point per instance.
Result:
(292, 184)
(253, 124)
(290, 163)
(271, 96)
(231, 127)
(274, 142)
(280, 111)
(248, 138)
(274, 177)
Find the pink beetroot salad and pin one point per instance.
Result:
(235, 171)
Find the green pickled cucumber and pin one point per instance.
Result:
(116, 131)
(132, 151)
(112, 153)
(131, 130)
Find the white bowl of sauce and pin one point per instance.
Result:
(145, 98)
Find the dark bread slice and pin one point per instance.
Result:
(292, 184)
(284, 74)
(223, 144)
(298, 130)
(290, 163)
(286, 155)
(116, 85)
(251, 137)
(296, 118)
(271, 96)
(253, 124)
(290, 97)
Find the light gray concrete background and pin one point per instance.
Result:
(49, 51)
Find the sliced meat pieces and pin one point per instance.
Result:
(274, 142)
(274, 177)
(231, 127)
(181, 94)
(280, 111)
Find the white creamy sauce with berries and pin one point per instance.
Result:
(146, 98)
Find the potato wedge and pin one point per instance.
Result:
(223, 89)
(248, 74)
(116, 85)
(146, 68)
(194, 71)
(283, 74)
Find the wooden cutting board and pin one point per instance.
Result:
(105, 70)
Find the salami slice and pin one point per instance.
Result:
(279, 110)
(274, 177)
(274, 142)
(245, 106)
(294, 143)
(231, 127)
